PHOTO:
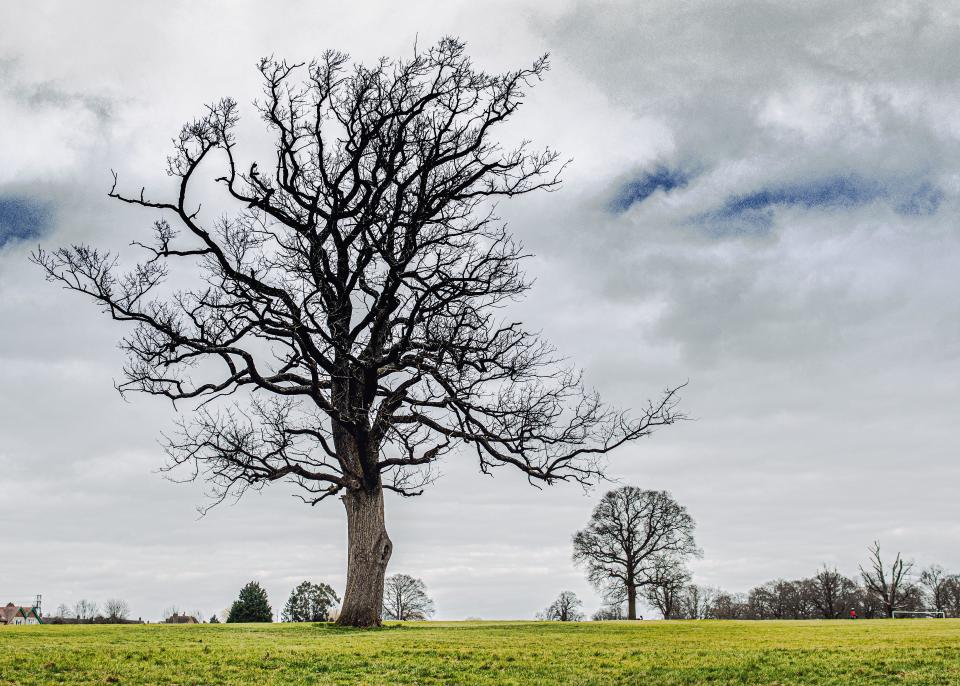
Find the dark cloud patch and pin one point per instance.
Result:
(49, 94)
(22, 219)
(637, 190)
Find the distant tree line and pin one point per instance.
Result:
(114, 611)
(880, 589)
(638, 542)
(405, 599)
(827, 595)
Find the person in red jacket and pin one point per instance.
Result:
(853, 614)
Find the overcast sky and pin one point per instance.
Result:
(763, 201)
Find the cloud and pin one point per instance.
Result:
(50, 94)
(50, 127)
(22, 218)
(822, 342)
(818, 352)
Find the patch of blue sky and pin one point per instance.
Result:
(924, 200)
(661, 178)
(22, 219)
(754, 212)
(831, 192)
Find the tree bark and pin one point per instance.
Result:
(631, 601)
(368, 552)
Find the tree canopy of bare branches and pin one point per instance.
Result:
(936, 583)
(697, 602)
(566, 608)
(115, 609)
(666, 583)
(405, 599)
(631, 534)
(832, 593)
(351, 302)
(85, 610)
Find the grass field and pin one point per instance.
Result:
(812, 652)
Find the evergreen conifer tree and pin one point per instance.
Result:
(252, 605)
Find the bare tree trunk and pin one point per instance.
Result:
(369, 549)
(631, 601)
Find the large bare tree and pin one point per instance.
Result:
(630, 534)
(886, 582)
(351, 301)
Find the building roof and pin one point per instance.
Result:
(10, 611)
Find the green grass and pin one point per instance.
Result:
(838, 652)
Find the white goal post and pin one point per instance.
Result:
(922, 614)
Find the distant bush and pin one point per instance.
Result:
(310, 602)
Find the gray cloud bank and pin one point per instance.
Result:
(762, 201)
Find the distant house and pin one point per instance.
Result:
(180, 619)
(19, 614)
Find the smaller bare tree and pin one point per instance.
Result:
(885, 582)
(405, 599)
(629, 531)
(936, 586)
(85, 610)
(952, 595)
(831, 593)
(667, 580)
(116, 609)
(566, 608)
(696, 602)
